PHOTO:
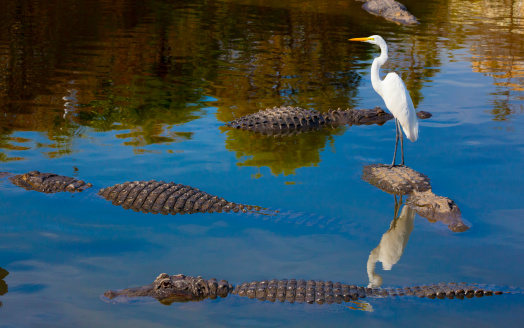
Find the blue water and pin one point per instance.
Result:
(138, 120)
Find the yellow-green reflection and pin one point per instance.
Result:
(497, 46)
(281, 154)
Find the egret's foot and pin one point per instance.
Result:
(396, 165)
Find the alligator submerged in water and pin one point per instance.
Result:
(180, 288)
(49, 182)
(171, 198)
(146, 196)
(290, 120)
(402, 180)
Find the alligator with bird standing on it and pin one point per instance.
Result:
(403, 180)
(180, 288)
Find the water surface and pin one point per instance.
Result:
(114, 91)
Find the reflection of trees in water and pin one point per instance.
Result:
(146, 66)
(283, 155)
(118, 67)
(280, 56)
(497, 46)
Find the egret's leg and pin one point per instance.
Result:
(401, 143)
(396, 144)
(396, 208)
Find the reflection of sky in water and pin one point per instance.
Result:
(63, 251)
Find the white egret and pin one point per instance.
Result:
(396, 97)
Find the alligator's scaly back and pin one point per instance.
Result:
(49, 182)
(180, 288)
(402, 180)
(281, 121)
(398, 180)
(167, 198)
(295, 120)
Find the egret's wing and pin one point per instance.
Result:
(399, 103)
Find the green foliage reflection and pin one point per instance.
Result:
(281, 154)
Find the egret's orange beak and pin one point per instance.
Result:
(359, 39)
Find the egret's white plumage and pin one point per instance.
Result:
(393, 90)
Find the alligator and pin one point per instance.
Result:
(49, 182)
(278, 121)
(403, 180)
(390, 10)
(3, 285)
(180, 288)
(146, 196)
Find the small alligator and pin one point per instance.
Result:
(295, 120)
(391, 10)
(146, 196)
(49, 182)
(180, 288)
(402, 180)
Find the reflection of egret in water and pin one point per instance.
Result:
(3, 285)
(392, 244)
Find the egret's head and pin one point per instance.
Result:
(374, 39)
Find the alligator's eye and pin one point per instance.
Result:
(165, 284)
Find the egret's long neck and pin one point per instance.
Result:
(375, 68)
(375, 280)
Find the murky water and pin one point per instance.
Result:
(114, 91)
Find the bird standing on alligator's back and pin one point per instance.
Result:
(393, 90)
